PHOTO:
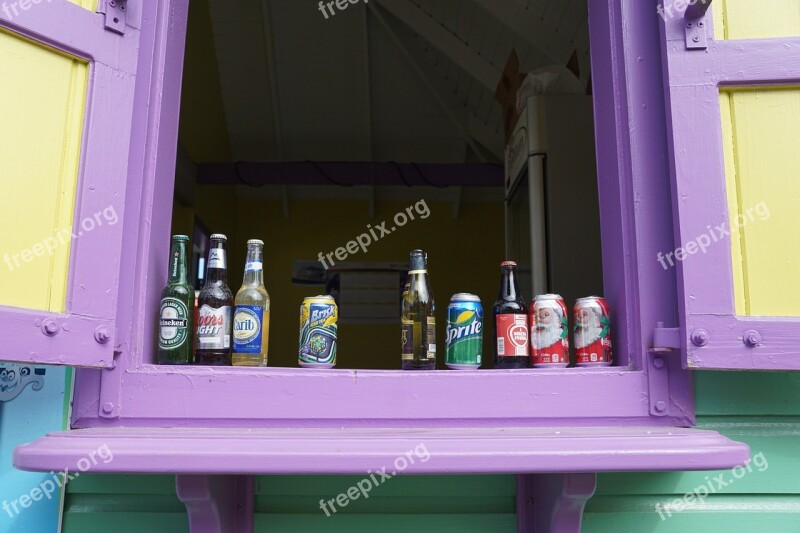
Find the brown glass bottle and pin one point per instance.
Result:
(215, 304)
(510, 322)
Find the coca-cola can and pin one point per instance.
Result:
(548, 321)
(592, 332)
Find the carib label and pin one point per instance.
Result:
(214, 328)
(247, 328)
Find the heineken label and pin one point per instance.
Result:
(173, 324)
(247, 328)
(214, 328)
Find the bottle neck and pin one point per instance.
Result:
(178, 271)
(254, 266)
(217, 267)
(509, 286)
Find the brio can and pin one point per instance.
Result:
(464, 332)
(592, 332)
(549, 332)
(318, 316)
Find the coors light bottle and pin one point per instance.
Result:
(213, 338)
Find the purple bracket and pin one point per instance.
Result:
(696, 26)
(552, 503)
(217, 504)
(116, 14)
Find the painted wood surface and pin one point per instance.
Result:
(79, 329)
(401, 450)
(743, 19)
(44, 95)
(761, 132)
(760, 409)
(717, 331)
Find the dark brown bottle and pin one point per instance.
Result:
(215, 303)
(510, 322)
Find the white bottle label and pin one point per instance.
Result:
(217, 259)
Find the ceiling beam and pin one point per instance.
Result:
(535, 31)
(448, 43)
(458, 117)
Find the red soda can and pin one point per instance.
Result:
(549, 331)
(592, 332)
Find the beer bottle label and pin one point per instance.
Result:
(214, 328)
(512, 335)
(173, 324)
(247, 328)
(408, 340)
(430, 341)
(217, 259)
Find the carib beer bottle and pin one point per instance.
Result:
(418, 318)
(176, 314)
(251, 315)
(215, 303)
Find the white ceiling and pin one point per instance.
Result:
(386, 80)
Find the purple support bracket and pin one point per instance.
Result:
(217, 504)
(116, 14)
(552, 503)
(696, 27)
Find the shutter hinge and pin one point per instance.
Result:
(695, 25)
(115, 12)
(666, 339)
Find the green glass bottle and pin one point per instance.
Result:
(418, 317)
(176, 315)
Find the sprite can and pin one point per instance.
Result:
(464, 332)
(318, 316)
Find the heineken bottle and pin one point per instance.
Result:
(175, 328)
(418, 317)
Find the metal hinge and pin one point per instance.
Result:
(696, 25)
(115, 12)
(666, 339)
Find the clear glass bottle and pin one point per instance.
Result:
(251, 314)
(418, 318)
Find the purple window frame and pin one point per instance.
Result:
(646, 388)
(85, 334)
(713, 336)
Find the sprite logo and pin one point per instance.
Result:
(466, 325)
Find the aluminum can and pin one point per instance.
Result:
(548, 321)
(318, 317)
(464, 332)
(592, 332)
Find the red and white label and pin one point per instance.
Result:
(512, 335)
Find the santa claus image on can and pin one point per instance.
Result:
(592, 332)
(549, 331)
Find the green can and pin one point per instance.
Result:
(464, 332)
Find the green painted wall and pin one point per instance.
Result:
(760, 409)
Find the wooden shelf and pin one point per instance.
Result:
(357, 450)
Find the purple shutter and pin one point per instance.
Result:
(696, 66)
(85, 334)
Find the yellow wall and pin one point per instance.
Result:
(465, 254)
(43, 96)
(756, 19)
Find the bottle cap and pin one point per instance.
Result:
(219, 237)
(180, 238)
(508, 264)
(255, 241)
